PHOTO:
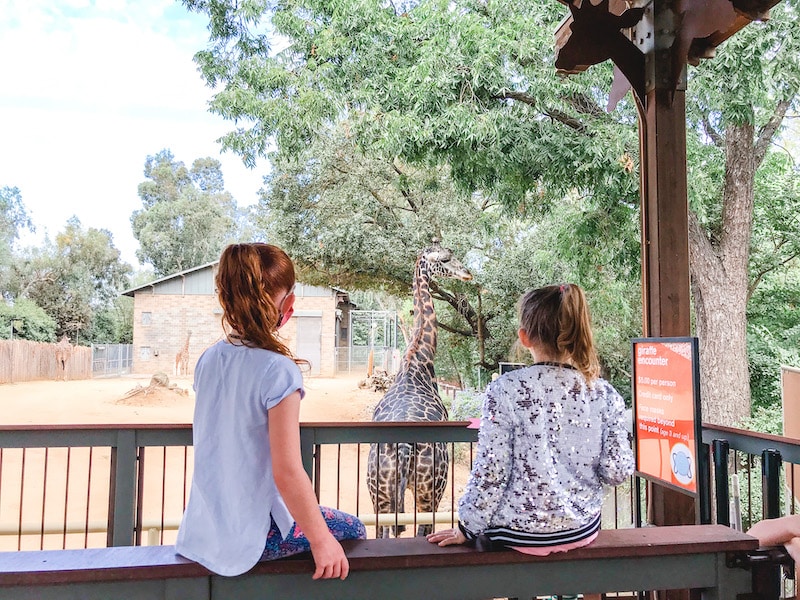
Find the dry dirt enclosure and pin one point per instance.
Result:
(111, 401)
(133, 400)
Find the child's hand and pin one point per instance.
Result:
(330, 560)
(447, 537)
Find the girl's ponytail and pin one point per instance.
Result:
(575, 338)
(557, 316)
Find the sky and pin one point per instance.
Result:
(88, 90)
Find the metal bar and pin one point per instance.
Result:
(720, 452)
(338, 475)
(88, 499)
(21, 498)
(770, 483)
(317, 469)
(163, 492)
(139, 528)
(414, 455)
(704, 489)
(750, 459)
(44, 497)
(399, 501)
(378, 532)
(66, 499)
(452, 481)
(358, 475)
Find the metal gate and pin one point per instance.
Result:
(373, 334)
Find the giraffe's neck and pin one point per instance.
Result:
(422, 345)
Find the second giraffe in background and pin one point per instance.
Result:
(414, 396)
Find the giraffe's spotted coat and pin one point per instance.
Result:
(414, 396)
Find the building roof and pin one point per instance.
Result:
(130, 292)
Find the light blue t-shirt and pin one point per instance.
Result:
(233, 490)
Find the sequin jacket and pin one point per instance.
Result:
(547, 444)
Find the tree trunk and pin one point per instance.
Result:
(719, 283)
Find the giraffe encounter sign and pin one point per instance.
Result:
(667, 410)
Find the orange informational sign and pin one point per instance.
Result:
(666, 410)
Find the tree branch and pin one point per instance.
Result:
(712, 133)
(554, 114)
(584, 104)
(462, 332)
(768, 131)
(404, 192)
(763, 272)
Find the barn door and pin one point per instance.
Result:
(309, 341)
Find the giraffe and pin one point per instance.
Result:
(182, 357)
(63, 351)
(414, 396)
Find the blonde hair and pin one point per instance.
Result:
(248, 276)
(557, 317)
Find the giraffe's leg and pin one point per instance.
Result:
(432, 466)
(400, 481)
(383, 480)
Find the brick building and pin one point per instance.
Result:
(183, 307)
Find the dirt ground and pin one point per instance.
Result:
(131, 400)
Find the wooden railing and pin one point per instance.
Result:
(114, 485)
(94, 486)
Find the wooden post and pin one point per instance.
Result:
(665, 227)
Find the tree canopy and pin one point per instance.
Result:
(470, 87)
(186, 218)
(13, 217)
(71, 278)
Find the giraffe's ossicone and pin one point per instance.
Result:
(392, 468)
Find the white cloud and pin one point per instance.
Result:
(93, 89)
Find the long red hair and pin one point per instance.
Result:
(248, 278)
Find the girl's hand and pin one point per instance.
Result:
(447, 537)
(330, 559)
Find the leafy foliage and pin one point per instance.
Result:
(368, 110)
(113, 323)
(29, 321)
(70, 279)
(186, 218)
(13, 217)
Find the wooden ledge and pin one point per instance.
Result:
(133, 563)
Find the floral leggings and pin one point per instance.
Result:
(342, 525)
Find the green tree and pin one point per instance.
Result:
(469, 86)
(186, 218)
(735, 113)
(472, 86)
(30, 322)
(72, 278)
(114, 322)
(358, 222)
(13, 217)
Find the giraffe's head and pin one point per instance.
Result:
(442, 263)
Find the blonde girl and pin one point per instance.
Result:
(551, 435)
